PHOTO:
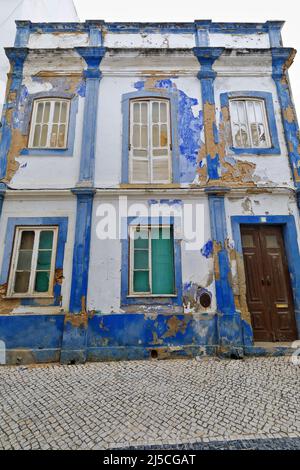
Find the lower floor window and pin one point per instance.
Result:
(152, 260)
(33, 262)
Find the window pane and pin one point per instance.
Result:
(46, 239)
(140, 153)
(163, 135)
(61, 135)
(22, 282)
(27, 240)
(141, 239)
(244, 137)
(141, 259)
(160, 152)
(39, 113)
(46, 112)
(163, 112)
(63, 111)
(44, 136)
(155, 136)
(36, 137)
(144, 136)
(141, 281)
(241, 112)
(136, 112)
(144, 107)
(233, 111)
(136, 136)
(53, 139)
(24, 260)
(44, 260)
(42, 282)
(56, 112)
(155, 112)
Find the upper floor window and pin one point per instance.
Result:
(249, 123)
(49, 124)
(33, 262)
(150, 141)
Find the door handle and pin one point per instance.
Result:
(263, 281)
(268, 279)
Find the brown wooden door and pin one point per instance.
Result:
(269, 294)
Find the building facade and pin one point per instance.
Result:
(149, 192)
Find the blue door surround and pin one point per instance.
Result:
(290, 238)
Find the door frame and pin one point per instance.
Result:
(290, 240)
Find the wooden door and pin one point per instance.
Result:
(269, 294)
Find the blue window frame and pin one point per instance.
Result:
(266, 97)
(12, 223)
(162, 94)
(126, 298)
(69, 150)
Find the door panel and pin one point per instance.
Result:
(269, 294)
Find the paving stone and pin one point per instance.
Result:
(207, 403)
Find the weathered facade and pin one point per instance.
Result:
(188, 120)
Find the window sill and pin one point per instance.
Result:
(256, 151)
(149, 185)
(14, 296)
(47, 152)
(149, 296)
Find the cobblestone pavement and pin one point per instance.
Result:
(144, 403)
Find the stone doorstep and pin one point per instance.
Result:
(269, 349)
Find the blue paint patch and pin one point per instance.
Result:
(81, 88)
(213, 167)
(139, 85)
(207, 249)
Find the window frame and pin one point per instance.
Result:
(32, 124)
(150, 99)
(131, 292)
(246, 99)
(14, 260)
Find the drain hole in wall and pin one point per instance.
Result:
(205, 300)
(154, 354)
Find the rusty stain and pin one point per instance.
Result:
(217, 247)
(7, 305)
(288, 114)
(77, 320)
(58, 276)
(175, 325)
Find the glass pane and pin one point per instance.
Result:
(163, 135)
(27, 240)
(46, 112)
(22, 282)
(163, 112)
(53, 139)
(36, 137)
(24, 260)
(140, 170)
(258, 111)
(233, 111)
(61, 135)
(141, 259)
(44, 136)
(46, 240)
(144, 107)
(244, 137)
(141, 239)
(155, 112)
(63, 111)
(241, 112)
(39, 112)
(44, 260)
(160, 152)
(247, 241)
(271, 241)
(136, 112)
(56, 112)
(141, 281)
(251, 113)
(144, 136)
(155, 136)
(42, 282)
(254, 134)
(162, 263)
(140, 153)
(136, 136)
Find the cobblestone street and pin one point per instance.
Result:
(144, 403)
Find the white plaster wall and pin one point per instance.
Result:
(105, 261)
(50, 40)
(260, 40)
(44, 207)
(261, 205)
(270, 170)
(110, 122)
(144, 40)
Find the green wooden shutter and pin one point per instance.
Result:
(162, 261)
